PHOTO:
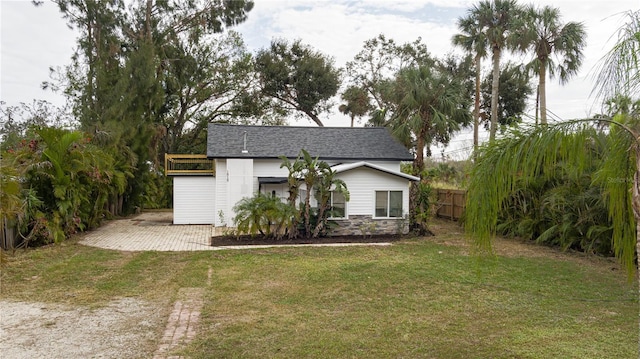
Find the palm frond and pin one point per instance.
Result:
(528, 155)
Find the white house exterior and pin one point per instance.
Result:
(247, 160)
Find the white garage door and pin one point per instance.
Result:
(194, 199)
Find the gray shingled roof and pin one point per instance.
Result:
(328, 143)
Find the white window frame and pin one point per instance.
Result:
(375, 207)
(346, 207)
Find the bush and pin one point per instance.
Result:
(263, 214)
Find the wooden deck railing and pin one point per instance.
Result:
(175, 164)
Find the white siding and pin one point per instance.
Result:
(390, 165)
(362, 184)
(280, 190)
(221, 194)
(267, 168)
(194, 199)
(239, 183)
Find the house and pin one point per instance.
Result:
(246, 160)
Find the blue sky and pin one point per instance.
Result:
(33, 39)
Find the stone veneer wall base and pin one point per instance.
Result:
(364, 225)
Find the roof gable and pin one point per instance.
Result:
(350, 166)
(327, 143)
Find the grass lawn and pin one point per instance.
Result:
(416, 299)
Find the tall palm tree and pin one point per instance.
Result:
(546, 36)
(474, 41)
(501, 25)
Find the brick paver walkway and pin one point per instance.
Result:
(182, 323)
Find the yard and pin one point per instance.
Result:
(420, 298)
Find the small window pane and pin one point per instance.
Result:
(338, 205)
(381, 203)
(395, 204)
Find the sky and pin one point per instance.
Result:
(33, 39)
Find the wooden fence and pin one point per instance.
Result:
(450, 203)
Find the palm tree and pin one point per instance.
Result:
(474, 41)
(430, 108)
(547, 36)
(500, 24)
(527, 154)
(357, 102)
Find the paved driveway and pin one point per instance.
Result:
(149, 231)
(155, 231)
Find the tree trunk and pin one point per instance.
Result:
(543, 94)
(148, 19)
(494, 94)
(476, 107)
(315, 118)
(635, 200)
(418, 164)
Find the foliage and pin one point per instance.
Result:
(356, 103)
(564, 210)
(530, 157)
(619, 70)
(210, 80)
(373, 69)
(271, 217)
(147, 77)
(500, 22)
(522, 155)
(17, 121)
(514, 89)
(453, 174)
(298, 78)
(420, 198)
(66, 184)
(263, 214)
(317, 177)
(431, 106)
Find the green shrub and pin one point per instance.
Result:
(263, 214)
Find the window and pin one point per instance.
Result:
(389, 204)
(338, 205)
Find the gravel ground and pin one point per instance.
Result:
(125, 328)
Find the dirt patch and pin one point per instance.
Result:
(125, 328)
(451, 233)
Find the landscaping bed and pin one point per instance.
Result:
(220, 241)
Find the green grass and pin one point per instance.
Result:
(417, 299)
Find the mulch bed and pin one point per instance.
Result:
(259, 240)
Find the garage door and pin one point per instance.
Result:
(194, 199)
